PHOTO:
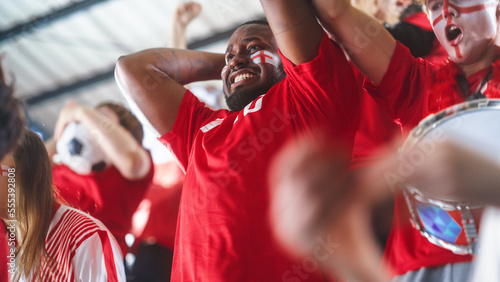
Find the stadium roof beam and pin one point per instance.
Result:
(109, 73)
(46, 19)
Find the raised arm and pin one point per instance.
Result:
(119, 146)
(368, 43)
(185, 14)
(295, 28)
(151, 80)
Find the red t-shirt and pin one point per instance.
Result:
(223, 231)
(376, 128)
(156, 217)
(408, 91)
(376, 125)
(105, 195)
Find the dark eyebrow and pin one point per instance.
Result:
(249, 39)
(244, 40)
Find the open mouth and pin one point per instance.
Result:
(244, 76)
(454, 34)
(241, 77)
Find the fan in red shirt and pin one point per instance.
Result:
(377, 128)
(110, 194)
(414, 31)
(223, 230)
(410, 89)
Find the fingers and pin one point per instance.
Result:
(468, 175)
(193, 7)
(187, 12)
(306, 180)
(384, 176)
(449, 172)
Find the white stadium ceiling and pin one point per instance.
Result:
(60, 50)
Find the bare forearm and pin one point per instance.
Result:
(178, 39)
(152, 81)
(368, 43)
(295, 28)
(118, 144)
(183, 66)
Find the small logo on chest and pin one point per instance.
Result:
(211, 125)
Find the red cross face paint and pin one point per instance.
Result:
(224, 69)
(465, 28)
(264, 56)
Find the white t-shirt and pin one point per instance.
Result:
(84, 249)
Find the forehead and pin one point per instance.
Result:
(461, 2)
(250, 32)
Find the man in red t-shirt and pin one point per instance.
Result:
(112, 193)
(223, 231)
(410, 89)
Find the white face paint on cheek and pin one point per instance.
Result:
(265, 56)
(464, 30)
(224, 70)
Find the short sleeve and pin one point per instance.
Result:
(403, 89)
(327, 85)
(192, 113)
(98, 258)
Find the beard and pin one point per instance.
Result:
(240, 99)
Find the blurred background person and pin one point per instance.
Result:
(54, 241)
(184, 15)
(112, 190)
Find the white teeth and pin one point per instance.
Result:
(453, 28)
(243, 76)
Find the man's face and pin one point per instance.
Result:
(465, 28)
(253, 65)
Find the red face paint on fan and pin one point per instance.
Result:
(224, 69)
(465, 28)
(264, 56)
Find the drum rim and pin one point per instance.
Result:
(432, 121)
(415, 221)
(416, 135)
